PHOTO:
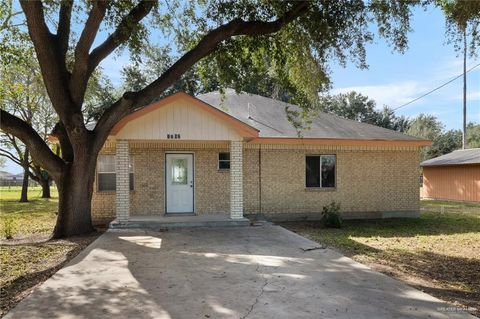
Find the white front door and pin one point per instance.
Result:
(179, 183)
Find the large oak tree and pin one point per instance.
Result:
(300, 39)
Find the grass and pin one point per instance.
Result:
(35, 217)
(30, 257)
(458, 206)
(436, 253)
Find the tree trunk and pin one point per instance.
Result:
(24, 195)
(45, 183)
(75, 190)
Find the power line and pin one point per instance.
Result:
(435, 89)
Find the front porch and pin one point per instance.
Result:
(201, 180)
(169, 167)
(158, 223)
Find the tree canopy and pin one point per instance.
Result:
(358, 107)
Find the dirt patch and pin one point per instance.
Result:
(27, 262)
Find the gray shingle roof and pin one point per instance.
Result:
(459, 157)
(269, 116)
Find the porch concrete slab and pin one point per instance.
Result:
(166, 222)
(244, 272)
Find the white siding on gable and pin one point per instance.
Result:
(180, 117)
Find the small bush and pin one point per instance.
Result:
(8, 227)
(331, 215)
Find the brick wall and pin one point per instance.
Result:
(212, 186)
(368, 180)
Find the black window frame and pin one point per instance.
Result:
(319, 156)
(228, 161)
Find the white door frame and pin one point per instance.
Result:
(165, 181)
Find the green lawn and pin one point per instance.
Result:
(35, 217)
(30, 257)
(437, 253)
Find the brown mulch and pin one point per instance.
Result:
(15, 288)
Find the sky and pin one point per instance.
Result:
(392, 78)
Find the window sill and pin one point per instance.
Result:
(223, 170)
(110, 192)
(320, 189)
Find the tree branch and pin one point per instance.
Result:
(65, 145)
(10, 156)
(131, 101)
(63, 30)
(120, 35)
(209, 43)
(13, 142)
(55, 76)
(40, 151)
(80, 74)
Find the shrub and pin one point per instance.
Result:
(331, 215)
(8, 227)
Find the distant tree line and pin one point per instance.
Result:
(358, 107)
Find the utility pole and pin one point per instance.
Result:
(464, 132)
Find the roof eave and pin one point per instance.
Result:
(334, 141)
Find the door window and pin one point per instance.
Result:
(179, 171)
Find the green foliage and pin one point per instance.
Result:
(358, 107)
(291, 65)
(331, 215)
(446, 142)
(8, 227)
(473, 135)
(462, 16)
(426, 127)
(100, 94)
(443, 142)
(153, 62)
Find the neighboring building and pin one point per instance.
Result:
(9, 179)
(453, 176)
(237, 155)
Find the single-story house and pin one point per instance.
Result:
(235, 155)
(453, 176)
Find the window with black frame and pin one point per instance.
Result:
(224, 160)
(320, 171)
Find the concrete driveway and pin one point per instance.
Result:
(248, 272)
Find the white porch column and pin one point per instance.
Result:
(123, 187)
(236, 179)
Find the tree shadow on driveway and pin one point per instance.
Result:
(248, 272)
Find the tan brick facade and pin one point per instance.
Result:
(367, 179)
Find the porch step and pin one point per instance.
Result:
(158, 223)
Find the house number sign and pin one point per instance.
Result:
(173, 136)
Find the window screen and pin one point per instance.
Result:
(106, 175)
(320, 171)
(223, 160)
